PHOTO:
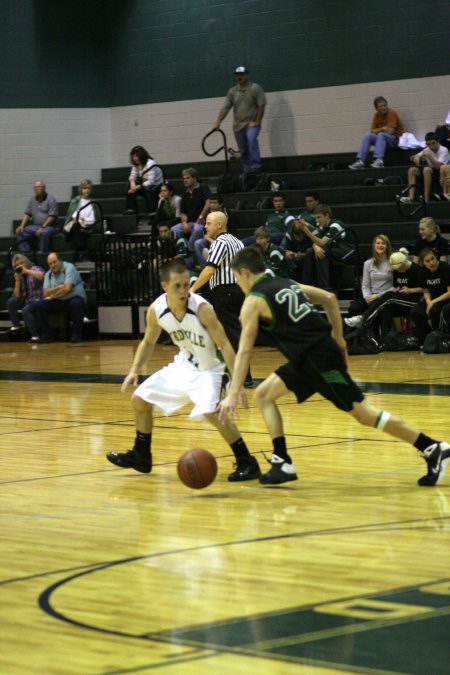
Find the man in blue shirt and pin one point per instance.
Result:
(63, 291)
(39, 220)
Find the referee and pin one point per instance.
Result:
(227, 297)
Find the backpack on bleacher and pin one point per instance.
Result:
(255, 182)
(228, 182)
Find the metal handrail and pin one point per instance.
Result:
(222, 147)
(403, 208)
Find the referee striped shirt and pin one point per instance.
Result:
(221, 253)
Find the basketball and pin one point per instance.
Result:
(197, 468)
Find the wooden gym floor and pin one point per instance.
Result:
(104, 570)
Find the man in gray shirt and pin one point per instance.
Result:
(39, 220)
(248, 101)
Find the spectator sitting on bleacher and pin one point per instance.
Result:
(169, 206)
(170, 246)
(385, 130)
(272, 254)
(81, 218)
(144, 181)
(28, 289)
(38, 221)
(202, 246)
(377, 279)
(427, 168)
(295, 242)
(295, 245)
(277, 222)
(430, 237)
(194, 207)
(330, 241)
(312, 199)
(63, 291)
(435, 282)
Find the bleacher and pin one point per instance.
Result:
(369, 209)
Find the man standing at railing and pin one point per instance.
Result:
(248, 101)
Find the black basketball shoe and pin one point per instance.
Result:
(247, 468)
(437, 456)
(131, 460)
(280, 472)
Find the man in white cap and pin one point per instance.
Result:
(248, 101)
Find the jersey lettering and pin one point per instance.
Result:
(181, 334)
(296, 309)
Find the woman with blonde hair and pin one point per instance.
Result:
(430, 237)
(82, 218)
(377, 279)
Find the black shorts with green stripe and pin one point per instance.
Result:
(322, 370)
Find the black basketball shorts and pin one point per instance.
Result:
(322, 370)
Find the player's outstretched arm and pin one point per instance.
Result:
(144, 350)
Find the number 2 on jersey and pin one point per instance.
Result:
(296, 309)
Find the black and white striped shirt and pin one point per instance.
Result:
(221, 253)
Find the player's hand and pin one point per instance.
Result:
(227, 406)
(319, 253)
(243, 399)
(131, 378)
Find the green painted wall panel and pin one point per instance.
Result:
(109, 52)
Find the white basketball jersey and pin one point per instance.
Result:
(195, 343)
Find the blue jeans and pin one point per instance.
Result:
(196, 233)
(199, 246)
(13, 305)
(74, 305)
(247, 140)
(27, 237)
(379, 141)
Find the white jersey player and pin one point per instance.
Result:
(195, 375)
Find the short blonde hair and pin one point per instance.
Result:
(262, 231)
(86, 183)
(218, 217)
(431, 224)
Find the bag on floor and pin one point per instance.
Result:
(401, 342)
(362, 341)
(436, 342)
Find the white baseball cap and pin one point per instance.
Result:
(397, 260)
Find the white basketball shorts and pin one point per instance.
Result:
(180, 383)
